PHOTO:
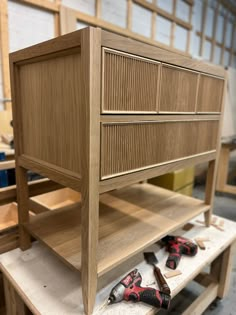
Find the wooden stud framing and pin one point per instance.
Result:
(129, 14)
(98, 9)
(212, 39)
(214, 31)
(233, 40)
(204, 16)
(224, 38)
(4, 48)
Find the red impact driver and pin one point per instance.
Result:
(129, 289)
(178, 246)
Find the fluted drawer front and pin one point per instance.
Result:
(210, 94)
(129, 84)
(178, 90)
(129, 147)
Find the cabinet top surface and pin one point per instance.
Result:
(107, 39)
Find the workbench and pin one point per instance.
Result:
(39, 280)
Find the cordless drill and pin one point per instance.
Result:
(178, 246)
(129, 289)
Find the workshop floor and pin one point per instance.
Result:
(224, 206)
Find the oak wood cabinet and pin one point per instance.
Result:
(98, 113)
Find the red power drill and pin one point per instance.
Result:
(178, 246)
(129, 289)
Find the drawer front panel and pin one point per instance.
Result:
(178, 90)
(130, 83)
(210, 94)
(128, 147)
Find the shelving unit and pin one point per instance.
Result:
(97, 112)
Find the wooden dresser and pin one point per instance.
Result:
(98, 113)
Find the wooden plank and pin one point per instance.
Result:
(9, 241)
(36, 187)
(214, 30)
(143, 210)
(203, 27)
(224, 38)
(203, 301)
(67, 20)
(90, 162)
(4, 51)
(233, 40)
(6, 165)
(57, 31)
(43, 4)
(98, 8)
(56, 174)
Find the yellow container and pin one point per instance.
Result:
(180, 181)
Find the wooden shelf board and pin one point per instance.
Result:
(130, 219)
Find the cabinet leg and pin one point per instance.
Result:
(89, 237)
(223, 168)
(23, 206)
(221, 270)
(210, 190)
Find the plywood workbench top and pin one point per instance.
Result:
(48, 286)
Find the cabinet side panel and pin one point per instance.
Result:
(129, 147)
(50, 101)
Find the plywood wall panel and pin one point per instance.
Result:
(50, 110)
(129, 147)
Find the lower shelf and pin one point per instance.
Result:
(130, 220)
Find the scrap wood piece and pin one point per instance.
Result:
(172, 273)
(203, 239)
(188, 227)
(221, 223)
(218, 227)
(200, 243)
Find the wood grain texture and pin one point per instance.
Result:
(68, 41)
(130, 83)
(129, 147)
(90, 144)
(178, 90)
(130, 219)
(210, 94)
(50, 101)
(128, 45)
(135, 177)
